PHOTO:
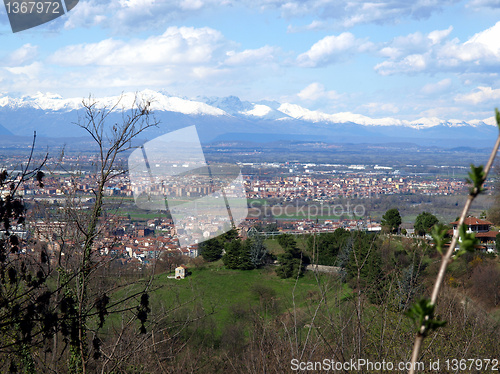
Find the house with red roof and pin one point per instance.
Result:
(482, 230)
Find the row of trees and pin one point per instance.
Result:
(236, 253)
(391, 221)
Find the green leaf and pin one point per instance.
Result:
(422, 313)
(468, 240)
(476, 178)
(497, 115)
(438, 233)
(459, 253)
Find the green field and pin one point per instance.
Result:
(219, 292)
(220, 289)
(137, 216)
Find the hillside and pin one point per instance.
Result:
(220, 319)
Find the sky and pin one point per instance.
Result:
(386, 58)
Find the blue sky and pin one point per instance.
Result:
(385, 58)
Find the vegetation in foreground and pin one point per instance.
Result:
(237, 312)
(223, 320)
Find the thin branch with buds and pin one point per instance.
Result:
(478, 176)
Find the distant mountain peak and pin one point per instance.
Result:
(43, 101)
(159, 101)
(271, 115)
(229, 104)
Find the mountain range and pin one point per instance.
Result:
(231, 119)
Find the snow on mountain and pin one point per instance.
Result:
(265, 112)
(230, 106)
(159, 102)
(298, 112)
(258, 111)
(491, 121)
(47, 101)
(424, 123)
(4, 101)
(162, 102)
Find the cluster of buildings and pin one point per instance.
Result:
(134, 246)
(122, 240)
(139, 243)
(309, 188)
(299, 185)
(130, 244)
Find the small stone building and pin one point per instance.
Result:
(180, 272)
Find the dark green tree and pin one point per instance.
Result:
(286, 241)
(237, 255)
(391, 220)
(292, 262)
(290, 266)
(211, 250)
(229, 236)
(424, 223)
(497, 242)
(325, 247)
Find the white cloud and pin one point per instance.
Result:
(480, 95)
(354, 12)
(390, 52)
(26, 54)
(489, 39)
(484, 4)
(87, 14)
(411, 44)
(313, 26)
(191, 4)
(331, 49)
(188, 60)
(258, 56)
(128, 16)
(31, 71)
(434, 52)
(177, 46)
(438, 35)
(433, 88)
(410, 64)
(316, 91)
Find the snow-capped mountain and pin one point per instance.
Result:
(54, 102)
(230, 118)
